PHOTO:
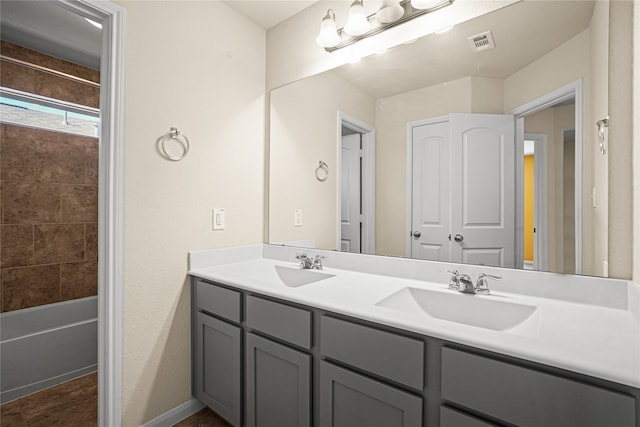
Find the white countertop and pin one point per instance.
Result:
(601, 340)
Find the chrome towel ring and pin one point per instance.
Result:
(322, 171)
(602, 125)
(179, 140)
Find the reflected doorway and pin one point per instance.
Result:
(356, 186)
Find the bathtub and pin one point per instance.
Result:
(47, 345)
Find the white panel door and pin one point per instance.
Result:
(350, 188)
(483, 186)
(430, 192)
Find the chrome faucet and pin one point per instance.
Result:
(308, 263)
(482, 286)
(463, 283)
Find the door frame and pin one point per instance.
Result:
(408, 243)
(571, 90)
(368, 182)
(540, 250)
(110, 204)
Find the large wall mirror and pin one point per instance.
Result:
(473, 145)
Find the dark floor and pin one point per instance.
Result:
(204, 418)
(74, 403)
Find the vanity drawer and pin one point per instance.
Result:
(279, 320)
(217, 300)
(527, 397)
(395, 357)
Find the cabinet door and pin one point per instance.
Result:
(278, 385)
(218, 360)
(351, 400)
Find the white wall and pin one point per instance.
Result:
(304, 130)
(183, 69)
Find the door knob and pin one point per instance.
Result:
(417, 234)
(458, 238)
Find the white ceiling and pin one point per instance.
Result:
(269, 13)
(523, 32)
(47, 27)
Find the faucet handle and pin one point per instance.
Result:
(317, 262)
(454, 280)
(305, 261)
(482, 286)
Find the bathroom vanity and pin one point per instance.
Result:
(274, 345)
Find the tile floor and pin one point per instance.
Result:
(74, 403)
(204, 418)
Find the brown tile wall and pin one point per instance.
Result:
(33, 79)
(48, 217)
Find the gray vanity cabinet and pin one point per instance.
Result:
(527, 397)
(278, 392)
(263, 362)
(348, 399)
(218, 363)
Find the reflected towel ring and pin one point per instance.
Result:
(181, 141)
(322, 171)
(602, 136)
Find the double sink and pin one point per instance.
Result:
(493, 312)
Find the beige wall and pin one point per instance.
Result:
(183, 69)
(599, 110)
(636, 143)
(467, 95)
(304, 130)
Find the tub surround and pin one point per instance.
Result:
(583, 324)
(47, 345)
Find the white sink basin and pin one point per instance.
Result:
(296, 277)
(487, 312)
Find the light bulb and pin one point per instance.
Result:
(390, 11)
(328, 36)
(357, 23)
(425, 4)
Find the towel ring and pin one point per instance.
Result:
(602, 136)
(180, 139)
(322, 171)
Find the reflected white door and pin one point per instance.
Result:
(483, 188)
(430, 192)
(350, 215)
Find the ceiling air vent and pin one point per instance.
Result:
(481, 42)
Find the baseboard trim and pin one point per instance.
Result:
(175, 415)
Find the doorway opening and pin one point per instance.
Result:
(558, 222)
(356, 186)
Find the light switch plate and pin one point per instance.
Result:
(297, 218)
(218, 219)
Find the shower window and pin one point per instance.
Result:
(24, 109)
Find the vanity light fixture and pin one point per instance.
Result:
(390, 11)
(360, 26)
(328, 36)
(357, 22)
